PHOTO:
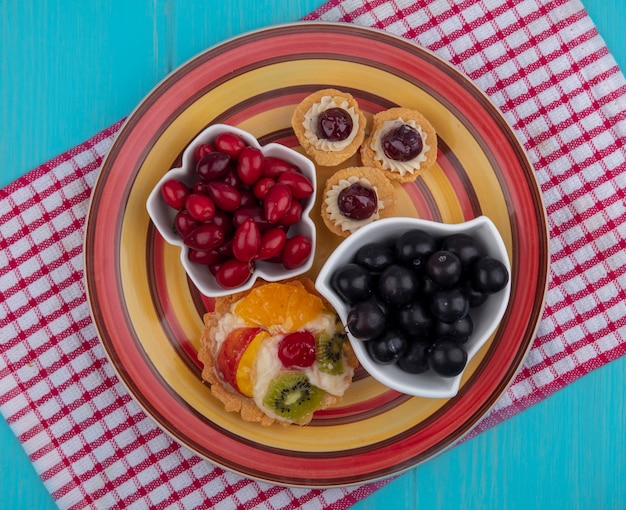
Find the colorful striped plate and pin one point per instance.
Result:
(149, 315)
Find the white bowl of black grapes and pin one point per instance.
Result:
(419, 298)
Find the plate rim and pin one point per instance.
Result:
(543, 236)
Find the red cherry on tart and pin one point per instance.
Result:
(334, 124)
(402, 143)
(357, 201)
(297, 349)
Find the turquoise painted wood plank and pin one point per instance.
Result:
(69, 69)
(197, 28)
(564, 453)
(20, 485)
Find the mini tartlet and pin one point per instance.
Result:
(345, 126)
(414, 142)
(244, 355)
(372, 197)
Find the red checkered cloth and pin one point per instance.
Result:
(545, 66)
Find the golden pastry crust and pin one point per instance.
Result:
(386, 194)
(327, 157)
(367, 152)
(233, 400)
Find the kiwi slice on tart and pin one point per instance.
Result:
(292, 397)
(329, 352)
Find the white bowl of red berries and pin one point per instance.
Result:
(419, 298)
(237, 210)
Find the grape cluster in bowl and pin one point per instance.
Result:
(419, 298)
(237, 210)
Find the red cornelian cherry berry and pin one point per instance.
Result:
(175, 192)
(255, 212)
(272, 243)
(200, 207)
(206, 258)
(223, 220)
(205, 237)
(184, 223)
(225, 196)
(262, 186)
(214, 268)
(246, 241)
(214, 165)
(273, 167)
(297, 349)
(226, 249)
(230, 143)
(296, 251)
(233, 273)
(299, 185)
(277, 202)
(202, 150)
(292, 216)
(231, 178)
(250, 165)
(247, 198)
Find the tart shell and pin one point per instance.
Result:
(384, 188)
(367, 152)
(321, 157)
(233, 400)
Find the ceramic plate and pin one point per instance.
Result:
(149, 316)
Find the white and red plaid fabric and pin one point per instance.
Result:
(543, 64)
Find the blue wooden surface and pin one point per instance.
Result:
(69, 69)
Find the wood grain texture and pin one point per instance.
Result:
(70, 69)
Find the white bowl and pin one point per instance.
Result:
(163, 216)
(485, 318)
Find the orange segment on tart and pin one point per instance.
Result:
(287, 307)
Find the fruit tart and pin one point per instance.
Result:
(402, 143)
(276, 353)
(329, 126)
(356, 196)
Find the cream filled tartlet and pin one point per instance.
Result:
(402, 143)
(354, 197)
(277, 353)
(329, 126)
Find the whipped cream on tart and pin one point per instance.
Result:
(329, 126)
(277, 353)
(354, 197)
(402, 143)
